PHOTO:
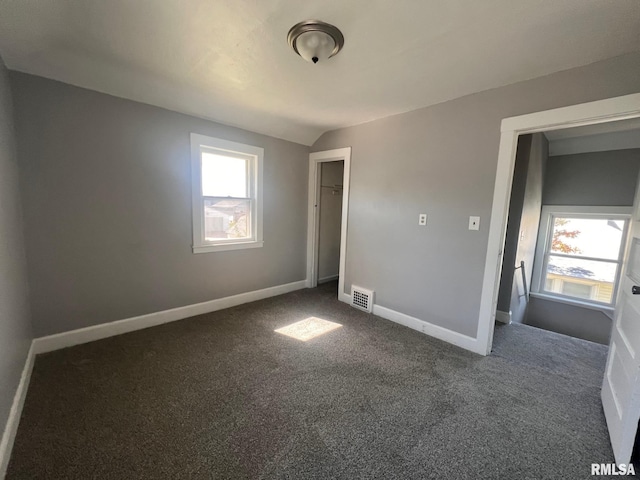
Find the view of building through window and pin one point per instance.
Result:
(584, 258)
(226, 218)
(225, 187)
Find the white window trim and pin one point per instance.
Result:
(606, 309)
(544, 237)
(197, 207)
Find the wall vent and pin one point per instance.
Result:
(362, 298)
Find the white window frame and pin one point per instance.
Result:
(200, 245)
(545, 233)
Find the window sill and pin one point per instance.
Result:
(606, 309)
(226, 246)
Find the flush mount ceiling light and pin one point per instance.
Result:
(314, 40)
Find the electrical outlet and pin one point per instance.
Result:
(474, 223)
(422, 219)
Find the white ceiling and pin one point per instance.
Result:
(229, 60)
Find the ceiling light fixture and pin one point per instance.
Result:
(314, 40)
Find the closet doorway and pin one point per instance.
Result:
(328, 212)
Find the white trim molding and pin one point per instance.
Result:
(254, 158)
(503, 317)
(543, 250)
(118, 327)
(313, 219)
(601, 111)
(608, 311)
(430, 329)
(11, 428)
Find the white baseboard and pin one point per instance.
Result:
(441, 333)
(11, 428)
(97, 332)
(118, 327)
(503, 317)
(329, 278)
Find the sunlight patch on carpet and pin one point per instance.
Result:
(308, 328)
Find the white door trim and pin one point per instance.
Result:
(601, 111)
(315, 159)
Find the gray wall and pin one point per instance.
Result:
(331, 174)
(592, 325)
(107, 204)
(516, 202)
(15, 324)
(600, 178)
(522, 227)
(442, 160)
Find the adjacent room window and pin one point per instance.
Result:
(227, 194)
(580, 251)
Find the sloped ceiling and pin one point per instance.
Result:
(600, 137)
(229, 61)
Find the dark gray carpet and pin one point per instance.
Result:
(223, 396)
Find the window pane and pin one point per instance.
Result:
(588, 237)
(579, 290)
(548, 285)
(587, 279)
(223, 176)
(224, 218)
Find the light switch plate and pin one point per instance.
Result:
(474, 223)
(422, 219)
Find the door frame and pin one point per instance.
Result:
(313, 217)
(601, 111)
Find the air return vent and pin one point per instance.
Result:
(362, 298)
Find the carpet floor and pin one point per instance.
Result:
(223, 395)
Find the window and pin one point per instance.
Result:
(227, 194)
(579, 290)
(579, 253)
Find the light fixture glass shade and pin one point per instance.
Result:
(314, 40)
(315, 46)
